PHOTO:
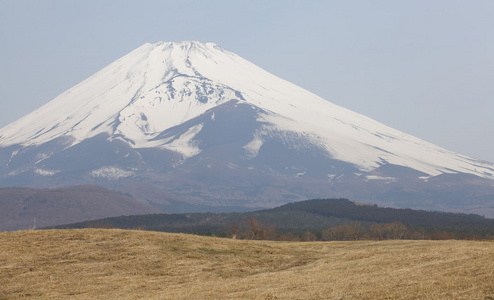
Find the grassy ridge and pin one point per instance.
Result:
(123, 264)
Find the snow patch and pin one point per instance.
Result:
(253, 147)
(185, 143)
(14, 153)
(111, 173)
(333, 177)
(42, 156)
(425, 178)
(231, 165)
(374, 177)
(44, 172)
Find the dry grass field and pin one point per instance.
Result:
(121, 264)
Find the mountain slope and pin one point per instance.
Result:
(218, 130)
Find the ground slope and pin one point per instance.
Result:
(118, 264)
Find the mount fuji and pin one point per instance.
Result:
(192, 126)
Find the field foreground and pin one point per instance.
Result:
(121, 264)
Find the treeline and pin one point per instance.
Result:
(253, 229)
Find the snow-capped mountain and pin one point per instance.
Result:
(192, 122)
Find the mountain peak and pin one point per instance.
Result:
(153, 88)
(208, 49)
(185, 45)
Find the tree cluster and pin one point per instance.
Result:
(252, 229)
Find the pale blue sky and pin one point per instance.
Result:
(423, 67)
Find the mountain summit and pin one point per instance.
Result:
(193, 123)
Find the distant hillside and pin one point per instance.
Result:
(307, 216)
(24, 208)
(343, 208)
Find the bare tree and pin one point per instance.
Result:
(258, 231)
(350, 231)
(389, 231)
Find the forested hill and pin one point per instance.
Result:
(314, 216)
(343, 208)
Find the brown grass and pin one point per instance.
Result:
(120, 264)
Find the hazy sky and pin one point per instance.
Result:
(423, 67)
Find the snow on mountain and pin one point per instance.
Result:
(159, 86)
(193, 124)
